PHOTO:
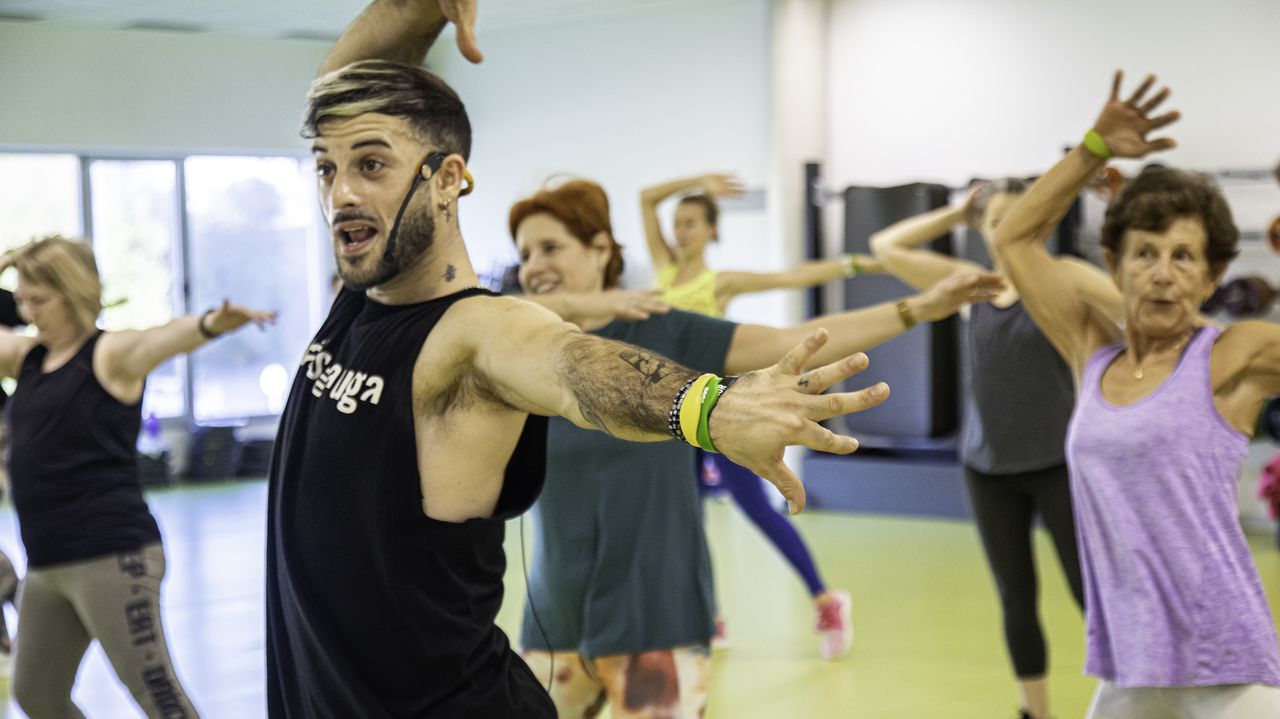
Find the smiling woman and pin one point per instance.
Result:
(638, 611)
(549, 260)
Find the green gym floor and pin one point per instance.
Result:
(927, 634)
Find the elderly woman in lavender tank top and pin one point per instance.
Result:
(1177, 622)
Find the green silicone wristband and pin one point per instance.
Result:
(1097, 146)
(704, 425)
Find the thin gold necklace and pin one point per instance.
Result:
(1138, 373)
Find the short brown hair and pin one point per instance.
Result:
(1158, 196)
(583, 207)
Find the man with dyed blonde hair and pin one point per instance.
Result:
(416, 426)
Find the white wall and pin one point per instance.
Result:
(142, 92)
(799, 111)
(945, 90)
(627, 101)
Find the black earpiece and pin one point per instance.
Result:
(431, 165)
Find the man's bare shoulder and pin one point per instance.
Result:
(499, 309)
(469, 322)
(489, 322)
(447, 375)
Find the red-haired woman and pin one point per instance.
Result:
(620, 597)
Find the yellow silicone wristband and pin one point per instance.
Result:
(691, 409)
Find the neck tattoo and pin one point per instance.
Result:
(450, 273)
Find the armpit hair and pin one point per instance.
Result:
(469, 389)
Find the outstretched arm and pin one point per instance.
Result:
(129, 356)
(900, 246)
(540, 365)
(1045, 288)
(809, 274)
(756, 346)
(402, 31)
(715, 185)
(584, 307)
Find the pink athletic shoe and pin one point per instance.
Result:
(835, 625)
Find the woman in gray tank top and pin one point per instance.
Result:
(1017, 401)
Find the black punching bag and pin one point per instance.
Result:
(920, 365)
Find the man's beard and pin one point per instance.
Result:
(416, 234)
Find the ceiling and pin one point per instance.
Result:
(323, 19)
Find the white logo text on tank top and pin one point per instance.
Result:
(346, 386)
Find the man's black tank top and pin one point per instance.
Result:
(73, 463)
(375, 610)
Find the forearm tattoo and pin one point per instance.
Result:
(620, 388)
(654, 368)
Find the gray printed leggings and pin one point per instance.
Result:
(113, 599)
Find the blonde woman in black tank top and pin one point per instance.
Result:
(94, 556)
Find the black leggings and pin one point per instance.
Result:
(1005, 507)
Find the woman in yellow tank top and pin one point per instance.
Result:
(682, 273)
(688, 284)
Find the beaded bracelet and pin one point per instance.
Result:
(673, 415)
(689, 418)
